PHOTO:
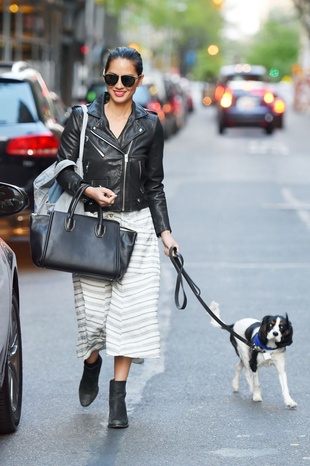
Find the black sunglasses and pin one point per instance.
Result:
(112, 79)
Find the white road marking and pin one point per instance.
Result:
(257, 146)
(292, 201)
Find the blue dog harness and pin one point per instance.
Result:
(257, 342)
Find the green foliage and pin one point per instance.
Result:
(182, 26)
(275, 46)
(207, 67)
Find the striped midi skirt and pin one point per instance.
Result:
(121, 316)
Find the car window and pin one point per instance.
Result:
(16, 103)
(244, 77)
(42, 98)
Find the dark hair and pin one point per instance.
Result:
(129, 54)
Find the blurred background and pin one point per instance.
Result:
(67, 40)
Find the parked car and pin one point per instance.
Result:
(185, 85)
(12, 201)
(177, 100)
(30, 130)
(157, 81)
(147, 96)
(246, 99)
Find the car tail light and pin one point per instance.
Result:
(167, 108)
(226, 99)
(40, 145)
(268, 98)
(279, 106)
(156, 107)
(218, 93)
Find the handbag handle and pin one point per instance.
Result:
(79, 161)
(69, 220)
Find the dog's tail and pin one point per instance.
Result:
(215, 308)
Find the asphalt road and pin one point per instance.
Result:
(239, 207)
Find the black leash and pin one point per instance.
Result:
(178, 263)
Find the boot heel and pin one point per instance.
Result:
(117, 413)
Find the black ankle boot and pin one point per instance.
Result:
(118, 412)
(88, 389)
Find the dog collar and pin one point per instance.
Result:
(257, 342)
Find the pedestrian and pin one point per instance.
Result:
(123, 172)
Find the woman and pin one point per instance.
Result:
(123, 172)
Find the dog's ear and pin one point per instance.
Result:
(287, 334)
(263, 329)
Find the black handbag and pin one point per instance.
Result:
(75, 243)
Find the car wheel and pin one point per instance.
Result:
(269, 129)
(11, 391)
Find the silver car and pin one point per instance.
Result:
(12, 201)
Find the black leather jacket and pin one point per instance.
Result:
(131, 165)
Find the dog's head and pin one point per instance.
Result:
(277, 329)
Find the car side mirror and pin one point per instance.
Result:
(12, 199)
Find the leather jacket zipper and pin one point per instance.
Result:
(108, 142)
(126, 157)
(95, 147)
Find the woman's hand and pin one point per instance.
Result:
(168, 241)
(104, 196)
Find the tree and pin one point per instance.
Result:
(179, 31)
(276, 47)
(303, 9)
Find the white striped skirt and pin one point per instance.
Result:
(121, 316)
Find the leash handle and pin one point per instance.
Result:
(178, 263)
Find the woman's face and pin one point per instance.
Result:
(119, 93)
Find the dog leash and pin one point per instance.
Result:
(178, 263)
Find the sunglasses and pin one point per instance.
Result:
(112, 79)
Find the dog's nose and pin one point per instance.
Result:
(275, 334)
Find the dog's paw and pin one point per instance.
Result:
(291, 404)
(257, 397)
(235, 386)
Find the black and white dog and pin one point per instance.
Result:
(271, 336)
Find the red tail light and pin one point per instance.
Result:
(279, 106)
(218, 93)
(226, 99)
(156, 107)
(40, 145)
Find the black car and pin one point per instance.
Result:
(30, 130)
(12, 201)
(245, 99)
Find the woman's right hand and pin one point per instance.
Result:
(103, 196)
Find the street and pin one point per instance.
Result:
(239, 207)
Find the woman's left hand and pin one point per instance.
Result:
(168, 241)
